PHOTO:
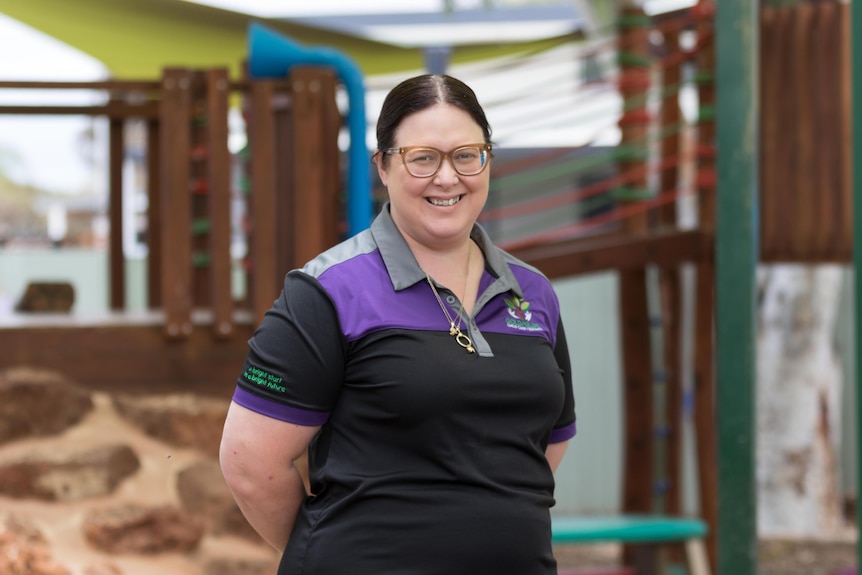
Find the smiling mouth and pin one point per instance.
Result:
(449, 202)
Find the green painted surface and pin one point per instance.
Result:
(736, 249)
(623, 529)
(856, 71)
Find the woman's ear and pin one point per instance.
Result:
(381, 169)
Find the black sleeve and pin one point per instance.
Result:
(296, 355)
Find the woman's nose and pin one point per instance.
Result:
(446, 174)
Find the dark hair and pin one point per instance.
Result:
(421, 92)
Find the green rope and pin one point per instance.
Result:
(704, 78)
(705, 114)
(631, 194)
(629, 153)
(637, 150)
(633, 60)
(634, 21)
(201, 226)
(201, 259)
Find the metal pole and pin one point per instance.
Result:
(856, 73)
(736, 258)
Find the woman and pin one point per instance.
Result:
(423, 370)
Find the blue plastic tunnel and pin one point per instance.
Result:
(271, 55)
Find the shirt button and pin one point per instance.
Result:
(450, 299)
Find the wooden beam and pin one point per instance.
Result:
(130, 355)
(109, 85)
(113, 109)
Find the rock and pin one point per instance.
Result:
(103, 569)
(181, 420)
(47, 297)
(203, 491)
(68, 477)
(132, 528)
(38, 403)
(239, 567)
(24, 551)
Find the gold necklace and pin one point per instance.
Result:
(455, 330)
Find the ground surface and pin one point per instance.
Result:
(60, 523)
(775, 557)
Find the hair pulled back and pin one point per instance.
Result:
(422, 92)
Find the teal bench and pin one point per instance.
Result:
(647, 530)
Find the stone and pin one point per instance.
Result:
(133, 528)
(103, 569)
(180, 420)
(70, 476)
(24, 551)
(239, 567)
(202, 490)
(53, 297)
(39, 403)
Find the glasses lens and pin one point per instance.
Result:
(469, 160)
(422, 162)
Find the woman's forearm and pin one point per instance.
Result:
(270, 505)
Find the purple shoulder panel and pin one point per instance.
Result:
(366, 301)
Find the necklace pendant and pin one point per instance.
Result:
(464, 341)
(453, 331)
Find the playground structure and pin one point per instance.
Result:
(196, 332)
(195, 329)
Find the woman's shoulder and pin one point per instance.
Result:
(349, 253)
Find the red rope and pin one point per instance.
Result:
(530, 161)
(572, 231)
(572, 196)
(635, 117)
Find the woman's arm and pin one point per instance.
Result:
(554, 454)
(257, 458)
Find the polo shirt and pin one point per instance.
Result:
(429, 459)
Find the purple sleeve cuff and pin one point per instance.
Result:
(563, 433)
(279, 411)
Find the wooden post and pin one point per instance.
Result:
(846, 154)
(669, 277)
(176, 255)
(117, 265)
(704, 346)
(154, 217)
(315, 179)
(219, 200)
(262, 245)
(639, 476)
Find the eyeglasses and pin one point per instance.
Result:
(423, 162)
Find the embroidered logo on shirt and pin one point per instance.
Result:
(264, 379)
(520, 315)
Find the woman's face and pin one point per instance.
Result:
(439, 211)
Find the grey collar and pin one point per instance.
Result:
(404, 270)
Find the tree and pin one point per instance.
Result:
(799, 394)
